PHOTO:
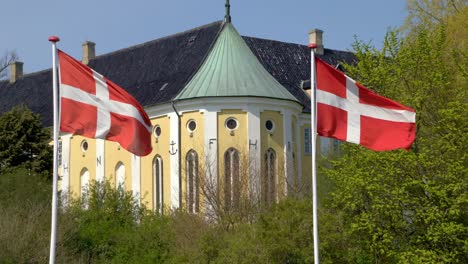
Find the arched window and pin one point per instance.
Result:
(231, 178)
(158, 191)
(270, 177)
(84, 185)
(193, 188)
(120, 176)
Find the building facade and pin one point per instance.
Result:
(230, 116)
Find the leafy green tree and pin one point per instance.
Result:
(23, 141)
(409, 207)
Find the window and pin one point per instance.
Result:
(84, 145)
(84, 186)
(157, 131)
(231, 123)
(193, 188)
(307, 141)
(270, 126)
(231, 178)
(158, 191)
(191, 125)
(269, 180)
(120, 176)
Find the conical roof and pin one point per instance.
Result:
(232, 70)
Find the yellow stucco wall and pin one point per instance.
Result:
(225, 139)
(79, 160)
(160, 147)
(274, 140)
(192, 140)
(113, 155)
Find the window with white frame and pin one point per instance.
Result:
(84, 186)
(193, 188)
(120, 176)
(231, 178)
(158, 191)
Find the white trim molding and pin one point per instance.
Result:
(174, 159)
(254, 146)
(136, 176)
(288, 148)
(211, 150)
(65, 164)
(100, 159)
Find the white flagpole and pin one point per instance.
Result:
(53, 231)
(313, 116)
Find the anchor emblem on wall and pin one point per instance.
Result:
(172, 151)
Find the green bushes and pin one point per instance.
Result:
(109, 225)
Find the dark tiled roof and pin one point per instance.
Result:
(154, 72)
(33, 90)
(290, 63)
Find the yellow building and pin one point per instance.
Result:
(230, 115)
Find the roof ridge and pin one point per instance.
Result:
(167, 37)
(27, 75)
(292, 43)
(128, 48)
(277, 41)
(158, 40)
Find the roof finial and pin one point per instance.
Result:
(227, 17)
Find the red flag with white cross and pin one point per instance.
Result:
(94, 107)
(348, 111)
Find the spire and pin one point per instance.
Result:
(231, 69)
(227, 17)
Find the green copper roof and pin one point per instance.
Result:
(231, 69)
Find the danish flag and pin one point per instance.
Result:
(348, 111)
(94, 107)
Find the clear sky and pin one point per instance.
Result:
(115, 24)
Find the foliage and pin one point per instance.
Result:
(409, 207)
(24, 217)
(386, 207)
(109, 225)
(282, 234)
(23, 141)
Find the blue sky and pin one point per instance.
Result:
(116, 24)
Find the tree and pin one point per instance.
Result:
(23, 141)
(5, 61)
(410, 207)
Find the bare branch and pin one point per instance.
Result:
(5, 61)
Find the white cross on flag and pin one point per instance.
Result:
(348, 111)
(94, 107)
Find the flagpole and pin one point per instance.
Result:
(313, 116)
(53, 231)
